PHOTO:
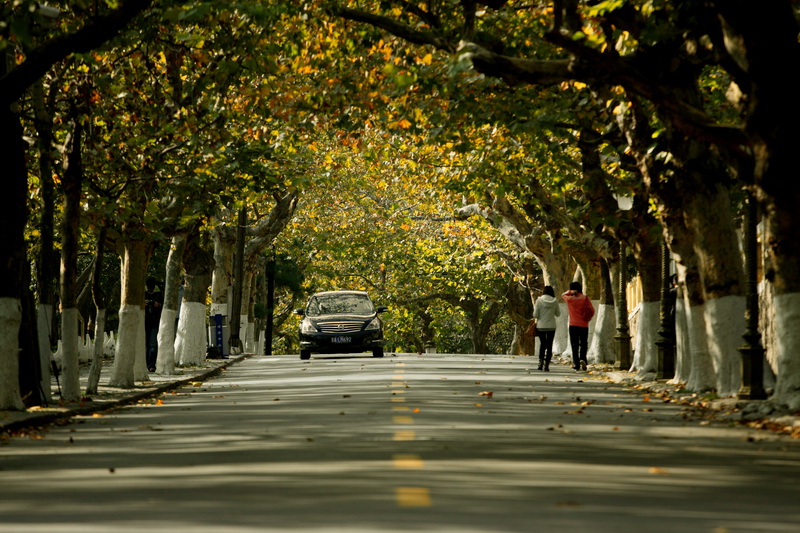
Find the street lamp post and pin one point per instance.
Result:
(623, 337)
(666, 338)
(752, 351)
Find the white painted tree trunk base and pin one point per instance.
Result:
(787, 332)
(248, 335)
(683, 363)
(109, 344)
(10, 322)
(724, 329)
(602, 348)
(561, 341)
(70, 382)
(702, 376)
(86, 349)
(219, 309)
(645, 360)
(190, 343)
(125, 357)
(165, 363)
(97, 353)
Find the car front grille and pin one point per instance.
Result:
(339, 327)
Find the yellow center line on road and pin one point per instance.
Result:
(404, 435)
(408, 461)
(413, 497)
(406, 496)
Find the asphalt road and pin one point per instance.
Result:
(429, 443)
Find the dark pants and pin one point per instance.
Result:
(579, 340)
(151, 345)
(546, 345)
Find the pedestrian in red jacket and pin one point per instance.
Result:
(581, 312)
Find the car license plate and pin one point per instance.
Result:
(341, 340)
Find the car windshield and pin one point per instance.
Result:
(339, 304)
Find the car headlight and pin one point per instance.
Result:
(374, 325)
(307, 327)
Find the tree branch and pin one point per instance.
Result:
(398, 29)
(91, 36)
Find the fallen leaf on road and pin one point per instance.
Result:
(568, 504)
(486, 393)
(658, 471)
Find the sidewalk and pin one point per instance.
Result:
(757, 414)
(111, 397)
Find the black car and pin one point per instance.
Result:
(341, 322)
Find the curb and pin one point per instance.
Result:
(29, 418)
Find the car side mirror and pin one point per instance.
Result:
(300, 312)
(381, 309)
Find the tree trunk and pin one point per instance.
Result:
(223, 264)
(763, 42)
(46, 274)
(647, 251)
(198, 265)
(479, 322)
(29, 371)
(520, 310)
(72, 184)
(99, 297)
(165, 363)
(699, 374)
(13, 217)
(694, 206)
(601, 347)
(130, 348)
(721, 274)
(235, 319)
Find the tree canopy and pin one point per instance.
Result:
(441, 154)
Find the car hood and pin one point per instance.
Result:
(340, 317)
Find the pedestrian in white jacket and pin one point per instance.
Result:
(545, 312)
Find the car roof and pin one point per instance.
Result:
(325, 293)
